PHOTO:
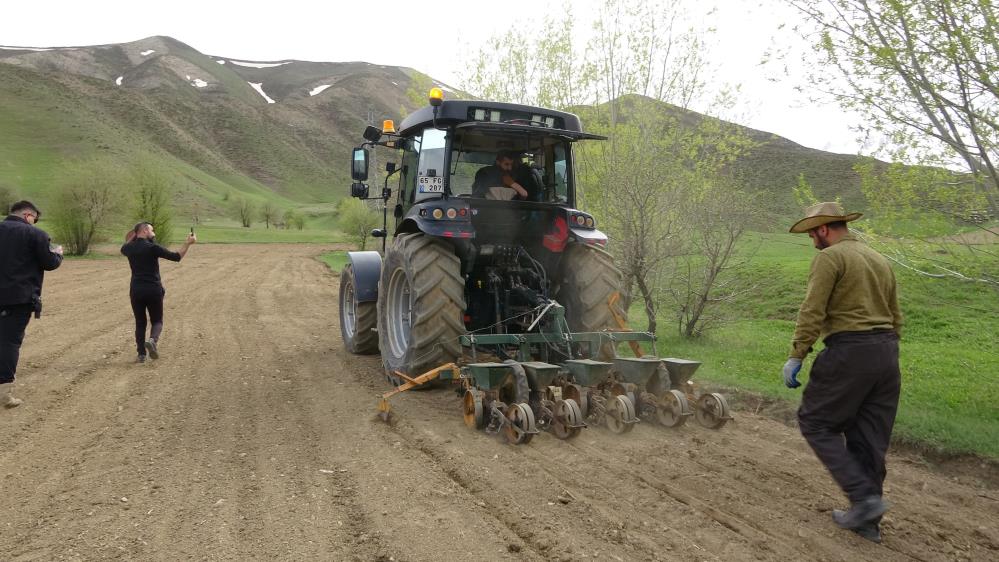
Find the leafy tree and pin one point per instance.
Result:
(357, 219)
(7, 198)
(90, 195)
(416, 93)
(269, 213)
(152, 191)
(632, 82)
(924, 73)
(245, 211)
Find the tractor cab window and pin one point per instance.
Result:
(540, 166)
(431, 170)
(560, 174)
(410, 165)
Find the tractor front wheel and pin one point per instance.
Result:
(357, 319)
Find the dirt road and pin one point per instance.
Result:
(254, 437)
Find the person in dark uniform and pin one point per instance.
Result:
(146, 289)
(498, 176)
(848, 408)
(26, 254)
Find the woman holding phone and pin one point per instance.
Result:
(146, 290)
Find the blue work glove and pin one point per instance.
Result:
(791, 369)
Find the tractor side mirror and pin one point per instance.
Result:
(359, 165)
(359, 190)
(372, 133)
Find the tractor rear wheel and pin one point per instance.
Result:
(421, 299)
(358, 320)
(587, 282)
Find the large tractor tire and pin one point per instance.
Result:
(421, 300)
(358, 320)
(588, 279)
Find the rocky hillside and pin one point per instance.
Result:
(273, 130)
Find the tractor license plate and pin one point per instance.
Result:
(428, 184)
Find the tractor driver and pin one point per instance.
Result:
(497, 182)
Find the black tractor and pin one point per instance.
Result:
(495, 281)
(486, 234)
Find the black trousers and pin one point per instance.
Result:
(848, 408)
(13, 321)
(143, 301)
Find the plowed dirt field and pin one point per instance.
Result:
(254, 437)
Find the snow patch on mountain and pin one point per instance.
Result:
(147, 53)
(258, 64)
(27, 48)
(259, 87)
(118, 81)
(319, 89)
(221, 61)
(198, 83)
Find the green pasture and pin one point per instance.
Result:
(258, 234)
(949, 349)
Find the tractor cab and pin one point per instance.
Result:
(504, 171)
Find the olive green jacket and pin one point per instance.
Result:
(851, 288)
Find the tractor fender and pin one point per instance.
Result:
(367, 271)
(592, 236)
(438, 228)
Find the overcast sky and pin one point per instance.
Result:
(434, 37)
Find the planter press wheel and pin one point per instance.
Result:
(621, 389)
(620, 414)
(674, 409)
(712, 411)
(520, 428)
(473, 410)
(578, 394)
(567, 419)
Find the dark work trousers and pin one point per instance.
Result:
(848, 408)
(144, 300)
(13, 321)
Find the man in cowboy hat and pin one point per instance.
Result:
(848, 408)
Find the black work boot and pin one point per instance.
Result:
(870, 531)
(861, 514)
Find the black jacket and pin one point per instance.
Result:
(143, 256)
(24, 259)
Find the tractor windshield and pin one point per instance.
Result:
(540, 165)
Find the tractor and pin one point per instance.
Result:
(494, 280)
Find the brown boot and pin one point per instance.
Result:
(7, 399)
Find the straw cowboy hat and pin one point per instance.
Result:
(823, 213)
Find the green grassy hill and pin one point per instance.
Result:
(161, 100)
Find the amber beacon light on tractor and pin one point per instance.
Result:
(491, 280)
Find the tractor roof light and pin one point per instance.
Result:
(436, 97)
(438, 213)
(388, 127)
(452, 213)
